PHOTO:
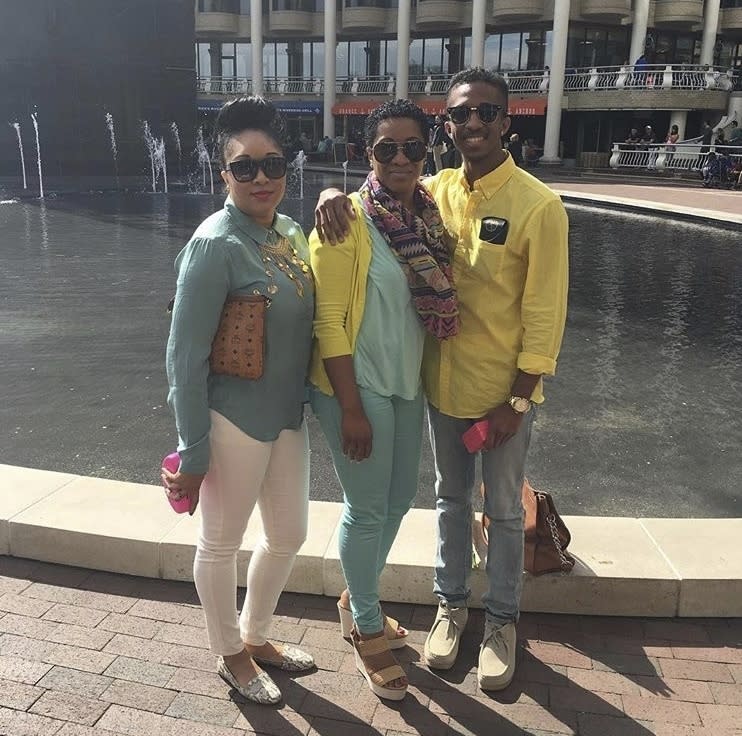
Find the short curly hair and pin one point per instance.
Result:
(395, 109)
(249, 113)
(479, 74)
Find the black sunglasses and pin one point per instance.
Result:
(486, 111)
(246, 169)
(385, 151)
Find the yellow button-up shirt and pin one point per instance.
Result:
(512, 294)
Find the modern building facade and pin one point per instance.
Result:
(73, 61)
(571, 64)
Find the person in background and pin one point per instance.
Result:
(244, 442)
(515, 147)
(633, 137)
(380, 291)
(735, 137)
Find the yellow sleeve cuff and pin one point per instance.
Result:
(537, 364)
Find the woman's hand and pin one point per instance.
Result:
(356, 434)
(332, 216)
(179, 485)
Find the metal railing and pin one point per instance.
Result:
(647, 77)
(666, 157)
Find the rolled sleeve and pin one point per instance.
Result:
(202, 287)
(544, 304)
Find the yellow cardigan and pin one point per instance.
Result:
(340, 275)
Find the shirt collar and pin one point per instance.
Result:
(490, 183)
(252, 229)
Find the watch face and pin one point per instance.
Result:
(521, 405)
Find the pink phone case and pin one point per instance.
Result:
(171, 462)
(475, 437)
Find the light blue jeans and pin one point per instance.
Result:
(502, 472)
(377, 492)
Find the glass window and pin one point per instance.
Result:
(492, 51)
(318, 59)
(373, 58)
(433, 55)
(390, 68)
(203, 59)
(269, 60)
(575, 47)
(416, 57)
(244, 7)
(617, 47)
(467, 52)
(510, 57)
(228, 69)
(357, 59)
(282, 60)
(243, 60)
(533, 50)
(341, 59)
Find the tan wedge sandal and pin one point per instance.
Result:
(377, 664)
(391, 628)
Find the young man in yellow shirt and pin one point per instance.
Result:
(510, 269)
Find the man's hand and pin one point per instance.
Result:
(180, 485)
(356, 434)
(504, 423)
(332, 216)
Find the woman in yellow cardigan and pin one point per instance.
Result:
(378, 293)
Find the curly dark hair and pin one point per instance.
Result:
(248, 113)
(479, 74)
(395, 109)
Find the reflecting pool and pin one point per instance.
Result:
(643, 418)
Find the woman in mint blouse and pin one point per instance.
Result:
(380, 291)
(244, 442)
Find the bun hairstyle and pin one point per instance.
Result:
(248, 113)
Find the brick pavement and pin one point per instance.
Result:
(86, 653)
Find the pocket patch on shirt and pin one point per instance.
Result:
(494, 230)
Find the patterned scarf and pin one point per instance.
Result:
(421, 251)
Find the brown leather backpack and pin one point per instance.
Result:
(546, 536)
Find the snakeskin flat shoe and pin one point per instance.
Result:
(292, 660)
(261, 689)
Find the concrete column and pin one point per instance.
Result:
(638, 29)
(710, 27)
(478, 24)
(403, 49)
(328, 122)
(556, 82)
(679, 118)
(256, 45)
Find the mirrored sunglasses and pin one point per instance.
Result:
(246, 169)
(487, 112)
(385, 151)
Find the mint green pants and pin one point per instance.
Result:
(377, 492)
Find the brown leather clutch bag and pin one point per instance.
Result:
(238, 348)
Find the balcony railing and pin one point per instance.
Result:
(658, 77)
(663, 157)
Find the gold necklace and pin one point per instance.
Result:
(283, 256)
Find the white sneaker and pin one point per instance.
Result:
(497, 656)
(442, 644)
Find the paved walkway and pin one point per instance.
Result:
(683, 193)
(93, 654)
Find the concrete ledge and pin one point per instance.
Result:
(626, 567)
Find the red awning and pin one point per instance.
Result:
(527, 106)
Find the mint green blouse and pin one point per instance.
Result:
(224, 258)
(389, 347)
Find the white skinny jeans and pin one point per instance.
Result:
(244, 471)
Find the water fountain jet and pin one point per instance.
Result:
(17, 127)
